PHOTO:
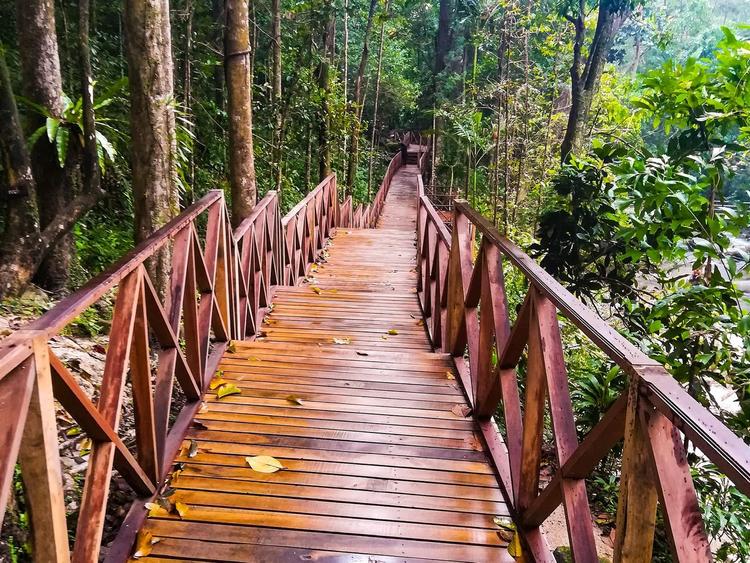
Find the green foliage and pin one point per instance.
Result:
(647, 232)
(59, 128)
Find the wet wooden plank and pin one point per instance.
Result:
(376, 463)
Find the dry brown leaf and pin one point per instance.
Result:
(193, 450)
(420, 322)
(359, 353)
(384, 337)
(461, 410)
(227, 389)
(264, 464)
(294, 400)
(144, 544)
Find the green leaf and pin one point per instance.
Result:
(61, 142)
(36, 135)
(655, 326)
(52, 125)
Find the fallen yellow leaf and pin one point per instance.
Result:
(393, 332)
(216, 382)
(264, 464)
(449, 375)
(294, 400)
(155, 509)
(144, 544)
(344, 340)
(203, 408)
(227, 389)
(316, 289)
(181, 508)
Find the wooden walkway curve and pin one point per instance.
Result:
(377, 464)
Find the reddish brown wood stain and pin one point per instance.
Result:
(377, 466)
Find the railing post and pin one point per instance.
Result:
(40, 466)
(636, 506)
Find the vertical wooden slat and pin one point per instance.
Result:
(575, 501)
(40, 466)
(221, 276)
(168, 357)
(15, 393)
(679, 502)
(533, 420)
(636, 503)
(190, 317)
(143, 397)
(96, 488)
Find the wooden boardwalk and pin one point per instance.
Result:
(378, 466)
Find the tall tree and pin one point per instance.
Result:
(324, 87)
(276, 91)
(237, 61)
(585, 75)
(358, 101)
(374, 134)
(152, 123)
(42, 85)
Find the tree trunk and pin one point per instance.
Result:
(219, 16)
(276, 93)
(21, 214)
(152, 124)
(91, 174)
(42, 84)
(443, 40)
(239, 84)
(23, 246)
(374, 134)
(324, 85)
(584, 82)
(358, 101)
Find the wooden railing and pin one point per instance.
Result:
(466, 311)
(220, 286)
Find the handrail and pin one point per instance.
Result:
(221, 286)
(651, 415)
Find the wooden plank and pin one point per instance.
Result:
(251, 536)
(15, 393)
(99, 473)
(244, 473)
(636, 502)
(575, 501)
(40, 466)
(351, 468)
(685, 528)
